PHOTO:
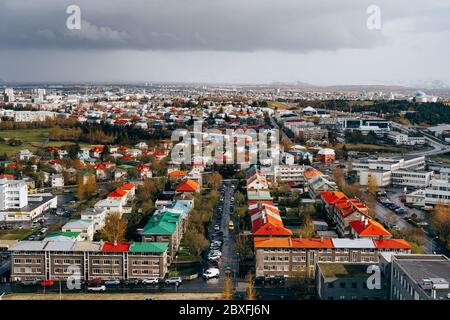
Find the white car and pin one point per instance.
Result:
(215, 253)
(150, 281)
(174, 280)
(216, 227)
(97, 288)
(211, 273)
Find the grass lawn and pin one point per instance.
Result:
(112, 296)
(441, 158)
(32, 140)
(15, 234)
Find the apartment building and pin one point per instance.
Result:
(420, 277)
(13, 194)
(289, 173)
(57, 260)
(291, 256)
(342, 210)
(438, 191)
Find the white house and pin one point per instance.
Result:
(85, 227)
(97, 215)
(57, 180)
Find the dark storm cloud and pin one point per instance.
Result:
(225, 25)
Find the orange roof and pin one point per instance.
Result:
(270, 229)
(177, 173)
(372, 229)
(293, 243)
(391, 244)
(188, 186)
(311, 173)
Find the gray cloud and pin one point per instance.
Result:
(231, 25)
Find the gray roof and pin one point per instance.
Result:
(353, 243)
(78, 224)
(58, 246)
(28, 246)
(87, 246)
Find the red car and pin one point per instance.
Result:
(95, 282)
(47, 283)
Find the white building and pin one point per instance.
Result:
(57, 180)
(97, 215)
(415, 179)
(289, 173)
(85, 227)
(381, 168)
(437, 192)
(13, 194)
(403, 139)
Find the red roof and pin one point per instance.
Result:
(7, 176)
(371, 229)
(117, 194)
(391, 244)
(119, 247)
(126, 187)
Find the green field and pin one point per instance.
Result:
(32, 139)
(441, 158)
(15, 234)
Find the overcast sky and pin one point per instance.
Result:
(321, 42)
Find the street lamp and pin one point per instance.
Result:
(432, 239)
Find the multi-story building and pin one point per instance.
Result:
(13, 194)
(420, 277)
(438, 191)
(289, 173)
(381, 169)
(347, 281)
(57, 260)
(414, 179)
(367, 125)
(290, 256)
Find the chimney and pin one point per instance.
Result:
(362, 218)
(366, 222)
(321, 239)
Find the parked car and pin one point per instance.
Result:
(132, 282)
(277, 280)
(216, 227)
(47, 283)
(94, 282)
(174, 280)
(101, 288)
(153, 281)
(259, 280)
(211, 273)
(112, 282)
(29, 282)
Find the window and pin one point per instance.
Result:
(342, 285)
(331, 285)
(354, 285)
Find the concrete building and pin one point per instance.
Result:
(345, 281)
(420, 277)
(438, 191)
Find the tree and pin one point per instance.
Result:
(440, 221)
(216, 180)
(81, 190)
(250, 293)
(115, 228)
(338, 176)
(228, 288)
(196, 241)
(240, 198)
(91, 185)
(371, 195)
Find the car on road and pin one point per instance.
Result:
(395, 227)
(173, 280)
(47, 283)
(112, 282)
(216, 227)
(214, 257)
(211, 273)
(259, 280)
(277, 280)
(101, 288)
(422, 223)
(153, 281)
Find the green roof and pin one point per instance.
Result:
(163, 223)
(155, 247)
(65, 234)
(126, 166)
